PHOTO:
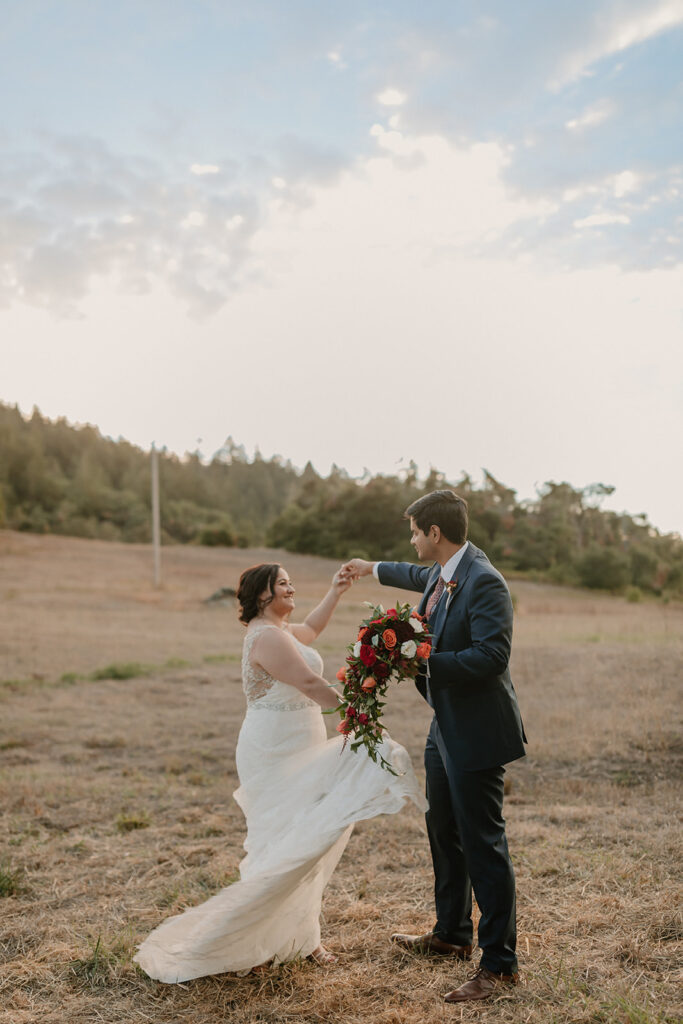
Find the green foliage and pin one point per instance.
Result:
(98, 969)
(62, 479)
(603, 568)
(10, 880)
(56, 478)
(623, 1010)
(129, 822)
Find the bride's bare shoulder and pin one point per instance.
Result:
(269, 635)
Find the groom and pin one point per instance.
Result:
(476, 730)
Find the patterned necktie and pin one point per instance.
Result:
(434, 596)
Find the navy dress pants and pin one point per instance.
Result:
(466, 832)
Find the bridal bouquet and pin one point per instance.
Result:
(391, 646)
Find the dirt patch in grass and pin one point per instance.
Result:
(116, 804)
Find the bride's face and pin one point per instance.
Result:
(283, 594)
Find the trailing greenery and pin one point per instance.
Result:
(58, 478)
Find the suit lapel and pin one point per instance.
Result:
(460, 575)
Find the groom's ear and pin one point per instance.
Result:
(435, 533)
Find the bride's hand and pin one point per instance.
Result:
(342, 580)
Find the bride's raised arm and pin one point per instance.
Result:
(275, 652)
(315, 621)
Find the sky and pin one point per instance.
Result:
(360, 233)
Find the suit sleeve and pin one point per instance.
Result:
(404, 575)
(490, 622)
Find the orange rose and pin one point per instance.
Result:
(369, 684)
(389, 638)
(341, 675)
(345, 727)
(424, 650)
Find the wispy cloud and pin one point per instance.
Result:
(592, 116)
(617, 28)
(75, 211)
(201, 169)
(599, 220)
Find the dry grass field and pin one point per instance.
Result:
(116, 803)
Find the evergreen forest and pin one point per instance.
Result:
(63, 479)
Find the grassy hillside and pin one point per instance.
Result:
(116, 807)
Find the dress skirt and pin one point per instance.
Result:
(301, 794)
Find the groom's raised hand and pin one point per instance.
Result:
(357, 567)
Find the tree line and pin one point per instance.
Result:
(58, 478)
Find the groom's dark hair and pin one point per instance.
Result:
(444, 509)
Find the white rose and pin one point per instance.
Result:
(375, 640)
(416, 624)
(409, 649)
(356, 649)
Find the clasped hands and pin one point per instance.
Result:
(349, 572)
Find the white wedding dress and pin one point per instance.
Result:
(301, 794)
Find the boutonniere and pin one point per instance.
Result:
(451, 588)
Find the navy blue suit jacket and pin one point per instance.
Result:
(469, 682)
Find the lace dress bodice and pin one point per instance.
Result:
(264, 691)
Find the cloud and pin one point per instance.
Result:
(576, 95)
(335, 58)
(596, 220)
(200, 169)
(592, 166)
(425, 193)
(593, 116)
(392, 98)
(76, 211)
(618, 28)
(631, 220)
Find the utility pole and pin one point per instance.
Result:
(156, 523)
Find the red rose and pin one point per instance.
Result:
(367, 655)
(381, 669)
(350, 712)
(404, 631)
(363, 718)
(392, 614)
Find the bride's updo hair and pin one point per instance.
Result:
(252, 583)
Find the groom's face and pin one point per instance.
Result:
(422, 542)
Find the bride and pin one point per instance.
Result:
(300, 793)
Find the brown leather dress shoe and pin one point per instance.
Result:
(482, 985)
(430, 943)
